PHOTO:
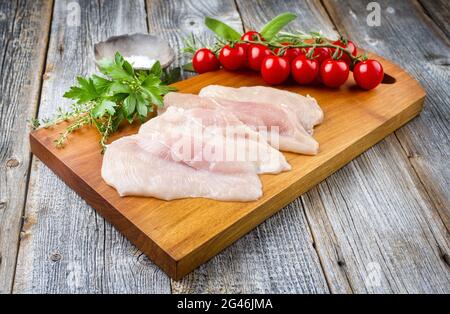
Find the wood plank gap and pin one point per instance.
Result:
(29, 165)
(57, 263)
(330, 16)
(240, 14)
(423, 185)
(34, 114)
(430, 17)
(315, 242)
(404, 150)
(336, 248)
(274, 10)
(147, 25)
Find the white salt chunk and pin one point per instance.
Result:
(140, 62)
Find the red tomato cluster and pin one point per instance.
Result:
(276, 66)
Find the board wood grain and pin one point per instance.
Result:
(24, 27)
(180, 235)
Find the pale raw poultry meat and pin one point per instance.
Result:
(220, 131)
(204, 146)
(267, 118)
(152, 164)
(307, 110)
(144, 166)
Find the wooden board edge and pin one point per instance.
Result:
(104, 208)
(247, 223)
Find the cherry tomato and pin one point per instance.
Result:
(205, 60)
(256, 54)
(334, 73)
(233, 58)
(321, 54)
(290, 53)
(350, 46)
(368, 74)
(275, 70)
(304, 70)
(252, 36)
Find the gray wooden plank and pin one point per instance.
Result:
(311, 16)
(24, 27)
(176, 20)
(439, 12)
(278, 256)
(66, 247)
(371, 218)
(425, 140)
(418, 188)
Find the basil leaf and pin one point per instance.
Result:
(275, 25)
(221, 29)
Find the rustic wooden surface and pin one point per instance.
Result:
(386, 213)
(182, 234)
(24, 29)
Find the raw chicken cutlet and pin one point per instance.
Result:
(169, 160)
(144, 166)
(306, 108)
(265, 118)
(222, 137)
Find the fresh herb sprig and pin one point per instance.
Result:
(123, 93)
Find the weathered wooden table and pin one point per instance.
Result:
(381, 224)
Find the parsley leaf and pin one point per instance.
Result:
(83, 93)
(129, 104)
(103, 107)
(122, 93)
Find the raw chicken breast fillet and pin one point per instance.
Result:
(306, 108)
(223, 140)
(144, 166)
(279, 124)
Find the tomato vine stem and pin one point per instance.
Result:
(306, 45)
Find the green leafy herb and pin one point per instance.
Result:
(275, 25)
(171, 76)
(221, 29)
(123, 94)
(188, 67)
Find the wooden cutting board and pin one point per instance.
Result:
(180, 235)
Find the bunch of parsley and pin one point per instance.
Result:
(123, 94)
